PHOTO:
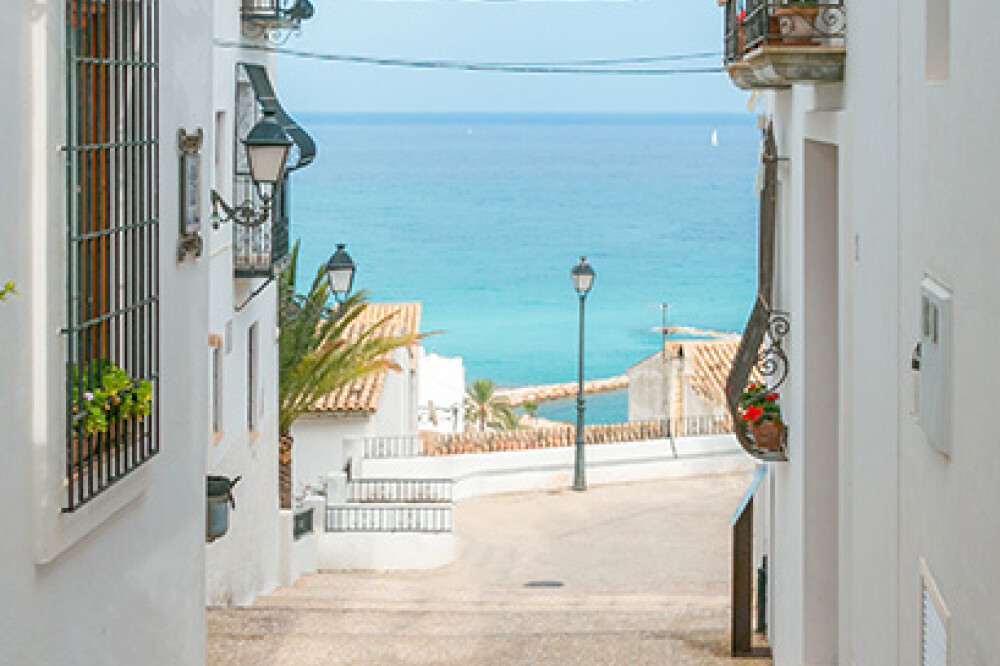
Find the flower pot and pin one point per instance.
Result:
(767, 435)
(794, 25)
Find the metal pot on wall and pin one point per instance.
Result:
(219, 500)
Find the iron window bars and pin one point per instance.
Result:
(262, 251)
(112, 224)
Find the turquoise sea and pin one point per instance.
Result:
(481, 217)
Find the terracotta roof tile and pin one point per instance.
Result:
(361, 396)
(707, 364)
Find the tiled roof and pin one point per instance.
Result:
(361, 396)
(707, 363)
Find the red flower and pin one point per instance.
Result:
(771, 397)
(742, 16)
(753, 413)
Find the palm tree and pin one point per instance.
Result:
(530, 408)
(316, 357)
(484, 407)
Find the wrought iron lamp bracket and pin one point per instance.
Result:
(244, 214)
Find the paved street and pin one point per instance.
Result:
(643, 568)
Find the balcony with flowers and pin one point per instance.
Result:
(276, 15)
(773, 44)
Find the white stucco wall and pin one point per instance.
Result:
(245, 562)
(397, 406)
(441, 385)
(916, 158)
(319, 446)
(121, 580)
(646, 388)
(477, 474)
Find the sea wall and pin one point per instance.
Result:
(520, 395)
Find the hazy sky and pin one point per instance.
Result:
(505, 30)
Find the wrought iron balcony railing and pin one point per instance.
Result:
(277, 14)
(761, 349)
(262, 251)
(802, 39)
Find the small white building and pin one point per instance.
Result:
(103, 546)
(379, 405)
(440, 392)
(685, 380)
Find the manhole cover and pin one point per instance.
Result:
(544, 583)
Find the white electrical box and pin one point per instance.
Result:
(935, 378)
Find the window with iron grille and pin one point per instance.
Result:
(112, 266)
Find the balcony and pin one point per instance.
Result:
(262, 251)
(773, 44)
(276, 14)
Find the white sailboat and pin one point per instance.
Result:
(715, 138)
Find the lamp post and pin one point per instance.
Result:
(340, 271)
(583, 279)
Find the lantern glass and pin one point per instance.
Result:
(583, 277)
(267, 150)
(267, 163)
(340, 271)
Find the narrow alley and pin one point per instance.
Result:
(630, 574)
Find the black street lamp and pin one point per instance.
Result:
(583, 279)
(267, 148)
(340, 271)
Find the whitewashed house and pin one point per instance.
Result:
(683, 383)
(102, 483)
(440, 392)
(879, 252)
(377, 410)
(244, 262)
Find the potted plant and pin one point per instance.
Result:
(762, 412)
(794, 21)
(110, 397)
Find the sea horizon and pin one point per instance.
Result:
(480, 216)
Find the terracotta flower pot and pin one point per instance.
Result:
(767, 435)
(794, 24)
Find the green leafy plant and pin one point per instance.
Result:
(760, 405)
(104, 393)
(319, 352)
(530, 408)
(7, 289)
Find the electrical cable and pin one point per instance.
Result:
(460, 65)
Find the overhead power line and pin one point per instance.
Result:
(506, 68)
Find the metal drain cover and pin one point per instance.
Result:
(544, 584)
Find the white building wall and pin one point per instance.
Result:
(120, 580)
(397, 406)
(441, 385)
(245, 562)
(916, 158)
(948, 147)
(319, 447)
(646, 389)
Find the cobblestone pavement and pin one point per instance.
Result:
(643, 568)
